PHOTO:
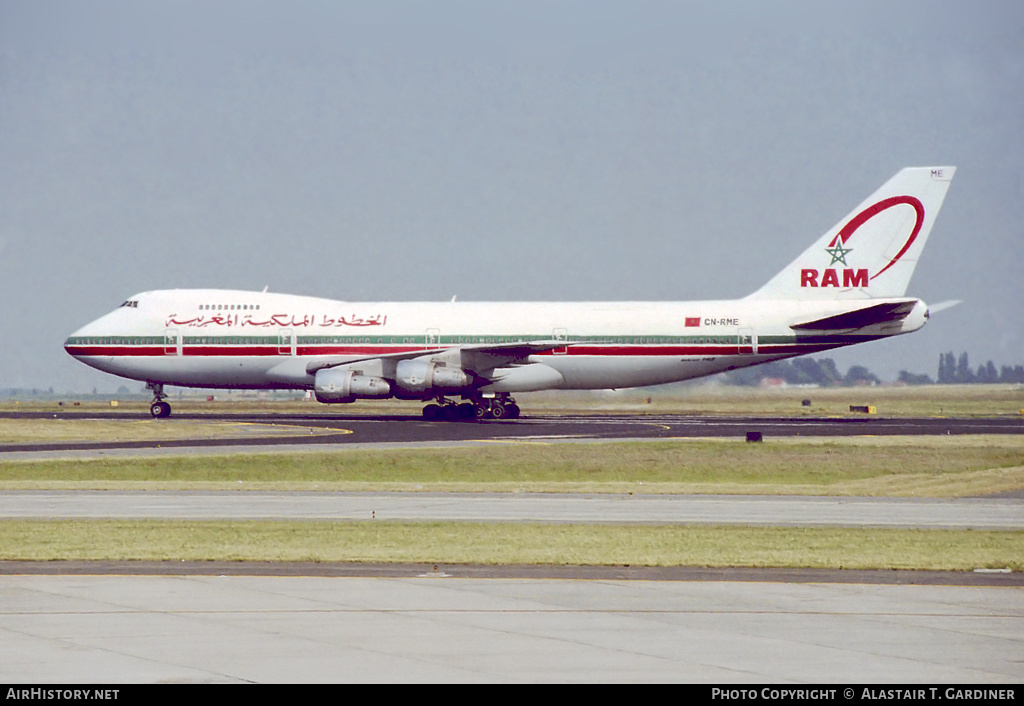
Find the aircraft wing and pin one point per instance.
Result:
(519, 349)
(859, 318)
(492, 353)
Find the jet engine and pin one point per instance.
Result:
(420, 377)
(343, 385)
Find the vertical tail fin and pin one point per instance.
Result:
(872, 252)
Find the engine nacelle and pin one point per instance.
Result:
(333, 385)
(418, 377)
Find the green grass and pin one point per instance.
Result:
(501, 543)
(890, 401)
(23, 431)
(924, 466)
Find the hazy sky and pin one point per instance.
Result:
(495, 151)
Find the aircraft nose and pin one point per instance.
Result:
(75, 344)
(79, 342)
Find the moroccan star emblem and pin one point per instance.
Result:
(838, 253)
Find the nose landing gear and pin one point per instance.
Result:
(159, 409)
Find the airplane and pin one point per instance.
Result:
(847, 288)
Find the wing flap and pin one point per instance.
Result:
(504, 352)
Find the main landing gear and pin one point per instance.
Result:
(500, 407)
(159, 409)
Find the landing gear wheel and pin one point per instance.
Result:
(457, 412)
(159, 409)
(501, 407)
(431, 412)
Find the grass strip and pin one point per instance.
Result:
(899, 466)
(33, 430)
(510, 543)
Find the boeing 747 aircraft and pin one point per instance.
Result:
(847, 288)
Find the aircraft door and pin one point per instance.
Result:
(172, 342)
(433, 338)
(560, 334)
(747, 341)
(286, 342)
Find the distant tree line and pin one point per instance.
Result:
(824, 373)
(803, 371)
(953, 370)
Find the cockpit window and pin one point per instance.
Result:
(133, 303)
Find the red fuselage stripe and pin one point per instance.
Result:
(582, 350)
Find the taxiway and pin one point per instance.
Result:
(755, 510)
(320, 432)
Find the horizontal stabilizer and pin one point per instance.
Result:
(877, 314)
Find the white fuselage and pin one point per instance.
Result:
(234, 339)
